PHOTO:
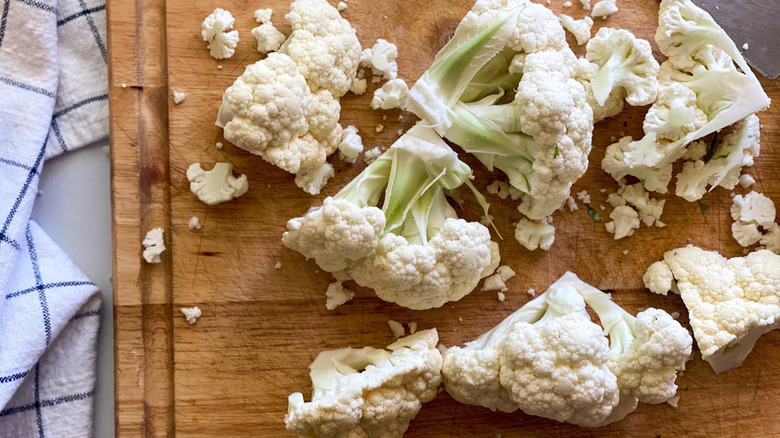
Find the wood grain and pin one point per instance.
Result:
(230, 374)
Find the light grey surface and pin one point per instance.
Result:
(74, 207)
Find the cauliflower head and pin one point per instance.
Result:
(730, 302)
(368, 392)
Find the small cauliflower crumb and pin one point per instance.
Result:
(571, 204)
(675, 315)
(673, 401)
(625, 251)
(584, 197)
(400, 132)
(351, 145)
(191, 314)
(336, 295)
(397, 328)
(220, 145)
(746, 180)
(580, 29)
(412, 328)
(602, 207)
(380, 128)
(585, 4)
(460, 319)
(370, 155)
(178, 97)
(567, 4)
(194, 223)
(604, 9)
(745, 46)
(498, 280)
(501, 297)
(153, 245)
(531, 292)
(124, 85)
(341, 6)
(219, 67)
(278, 265)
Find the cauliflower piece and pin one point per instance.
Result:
(745, 234)
(753, 207)
(549, 359)
(191, 314)
(498, 280)
(392, 95)
(323, 45)
(194, 223)
(368, 392)
(771, 240)
(216, 30)
(730, 302)
(503, 190)
(624, 221)
(313, 180)
(580, 29)
(624, 62)
(178, 97)
(268, 37)
(335, 234)
(604, 9)
(735, 151)
(371, 155)
(381, 59)
(216, 185)
(659, 278)
(337, 295)
(397, 328)
(263, 15)
(614, 163)
(270, 111)
(746, 180)
(534, 234)
(674, 114)
(420, 277)
(341, 6)
(154, 245)
(649, 210)
(351, 145)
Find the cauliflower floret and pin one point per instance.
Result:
(654, 179)
(216, 30)
(746, 180)
(624, 221)
(381, 59)
(537, 30)
(659, 278)
(733, 153)
(424, 276)
(313, 180)
(323, 45)
(336, 295)
(368, 392)
(498, 280)
(216, 185)
(624, 62)
(335, 234)
(351, 145)
(534, 234)
(392, 95)
(604, 9)
(154, 245)
(745, 234)
(674, 114)
(270, 111)
(580, 29)
(753, 207)
(649, 210)
(731, 302)
(263, 15)
(268, 38)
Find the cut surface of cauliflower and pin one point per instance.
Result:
(391, 95)
(216, 185)
(730, 302)
(268, 37)
(625, 220)
(753, 207)
(381, 59)
(153, 245)
(312, 181)
(649, 210)
(337, 295)
(580, 29)
(534, 234)
(351, 145)
(216, 30)
(191, 314)
(498, 280)
(368, 392)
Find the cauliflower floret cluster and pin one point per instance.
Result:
(549, 359)
(754, 221)
(368, 392)
(730, 302)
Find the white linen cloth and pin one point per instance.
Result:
(53, 98)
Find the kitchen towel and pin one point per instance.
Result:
(53, 98)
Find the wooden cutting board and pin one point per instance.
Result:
(230, 374)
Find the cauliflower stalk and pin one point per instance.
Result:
(412, 250)
(730, 302)
(549, 359)
(368, 392)
(540, 134)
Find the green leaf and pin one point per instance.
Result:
(593, 213)
(557, 152)
(703, 207)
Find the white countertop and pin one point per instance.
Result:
(74, 207)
